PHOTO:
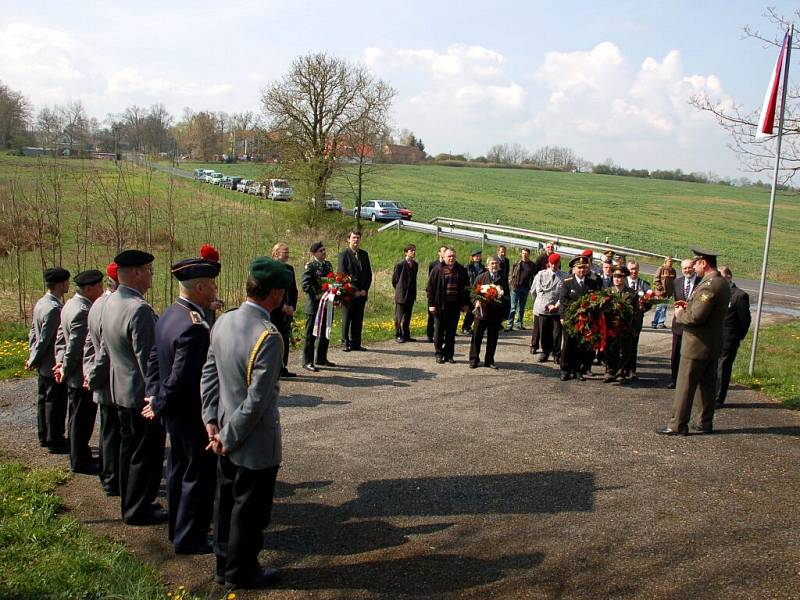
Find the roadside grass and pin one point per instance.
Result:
(777, 357)
(49, 555)
(13, 350)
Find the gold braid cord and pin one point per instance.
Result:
(259, 342)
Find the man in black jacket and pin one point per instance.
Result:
(404, 282)
(474, 268)
(682, 287)
(354, 261)
(574, 354)
(283, 316)
(448, 294)
(429, 329)
(734, 328)
(489, 317)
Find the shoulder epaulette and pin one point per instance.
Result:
(197, 318)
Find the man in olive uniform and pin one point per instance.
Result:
(702, 318)
(70, 341)
(619, 347)
(173, 391)
(240, 387)
(311, 282)
(51, 406)
(574, 355)
(96, 373)
(354, 261)
(129, 325)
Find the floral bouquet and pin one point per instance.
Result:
(597, 317)
(336, 288)
(485, 294)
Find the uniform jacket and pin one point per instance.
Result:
(176, 364)
(129, 326)
(737, 319)
(494, 312)
(404, 281)
(240, 386)
(436, 287)
(704, 316)
(356, 264)
(546, 290)
(71, 338)
(571, 290)
(678, 294)
(96, 366)
(311, 283)
(289, 299)
(42, 335)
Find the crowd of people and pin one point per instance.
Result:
(212, 382)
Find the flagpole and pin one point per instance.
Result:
(763, 282)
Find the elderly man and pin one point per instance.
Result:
(489, 316)
(448, 294)
(639, 287)
(429, 329)
(240, 390)
(173, 392)
(311, 282)
(70, 342)
(682, 288)
(735, 326)
(541, 260)
(96, 371)
(702, 317)
(129, 324)
(51, 405)
(354, 261)
(574, 356)
(546, 323)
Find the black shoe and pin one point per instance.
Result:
(609, 378)
(451, 360)
(325, 363)
(429, 340)
(199, 549)
(543, 358)
(111, 492)
(698, 429)
(508, 329)
(88, 469)
(154, 516)
(359, 349)
(346, 348)
(311, 367)
(473, 364)
(668, 431)
(490, 366)
(287, 373)
(671, 385)
(580, 377)
(440, 360)
(400, 340)
(410, 339)
(534, 351)
(565, 376)
(58, 448)
(265, 577)
(521, 327)
(718, 405)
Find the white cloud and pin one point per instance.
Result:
(459, 60)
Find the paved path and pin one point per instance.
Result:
(404, 479)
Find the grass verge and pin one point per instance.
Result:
(13, 350)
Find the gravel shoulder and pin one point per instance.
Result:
(403, 479)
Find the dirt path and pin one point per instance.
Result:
(403, 478)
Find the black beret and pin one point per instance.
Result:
(476, 252)
(271, 272)
(133, 258)
(89, 277)
(315, 247)
(192, 268)
(55, 275)
(580, 260)
(701, 253)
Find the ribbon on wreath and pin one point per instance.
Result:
(603, 331)
(324, 317)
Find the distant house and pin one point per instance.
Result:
(394, 153)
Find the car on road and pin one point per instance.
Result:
(199, 174)
(331, 202)
(229, 182)
(216, 179)
(278, 189)
(379, 210)
(243, 186)
(207, 173)
(407, 214)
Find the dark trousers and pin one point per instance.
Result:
(308, 347)
(675, 355)
(51, 411)
(630, 367)
(192, 472)
(284, 326)
(242, 510)
(547, 334)
(109, 449)
(696, 377)
(724, 370)
(492, 331)
(575, 356)
(617, 355)
(353, 321)
(141, 458)
(446, 321)
(402, 319)
(430, 328)
(469, 319)
(82, 413)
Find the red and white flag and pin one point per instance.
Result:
(766, 123)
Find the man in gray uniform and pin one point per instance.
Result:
(129, 324)
(51, 406)
(96, 370)
(70, 341)
(240, 388)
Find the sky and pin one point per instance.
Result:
(606, 79)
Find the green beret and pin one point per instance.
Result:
(271, 272)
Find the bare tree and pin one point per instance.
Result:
(757, 154)
(76, 124)
(15, 113)
(49, 126)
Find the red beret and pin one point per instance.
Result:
(587, 252)
(554, 258)
(111, 271)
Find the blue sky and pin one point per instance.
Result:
(607, 79)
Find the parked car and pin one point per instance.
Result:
(279, 189)
(216, 179)
(243, 185)
(199, 174)
(407, 214)
(379, 210)
(207, 173)
(230, 182)
(331, 202)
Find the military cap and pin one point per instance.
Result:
(111, 271)
(620, 271)
(701, 253)
(476, 252)
(554, 258)
(608, 256)
(193, 268)
(580, 260)
(89, 277)
(133, 258)
(271, 272)
(55, 275)
(317, 246)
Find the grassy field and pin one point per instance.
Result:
(776, 363)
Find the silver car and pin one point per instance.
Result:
(380, 210)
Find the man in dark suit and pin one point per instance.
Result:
(474, 268)
(404, 282)
(489, 316)
(354, 261)
(737, 322)
(448, 295)
(682, 288)
(574, 355)
(429, 329)
(173, 391)
(284, 314)
(639, 288)
(311, 282)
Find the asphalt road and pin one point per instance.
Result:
(407, 479)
